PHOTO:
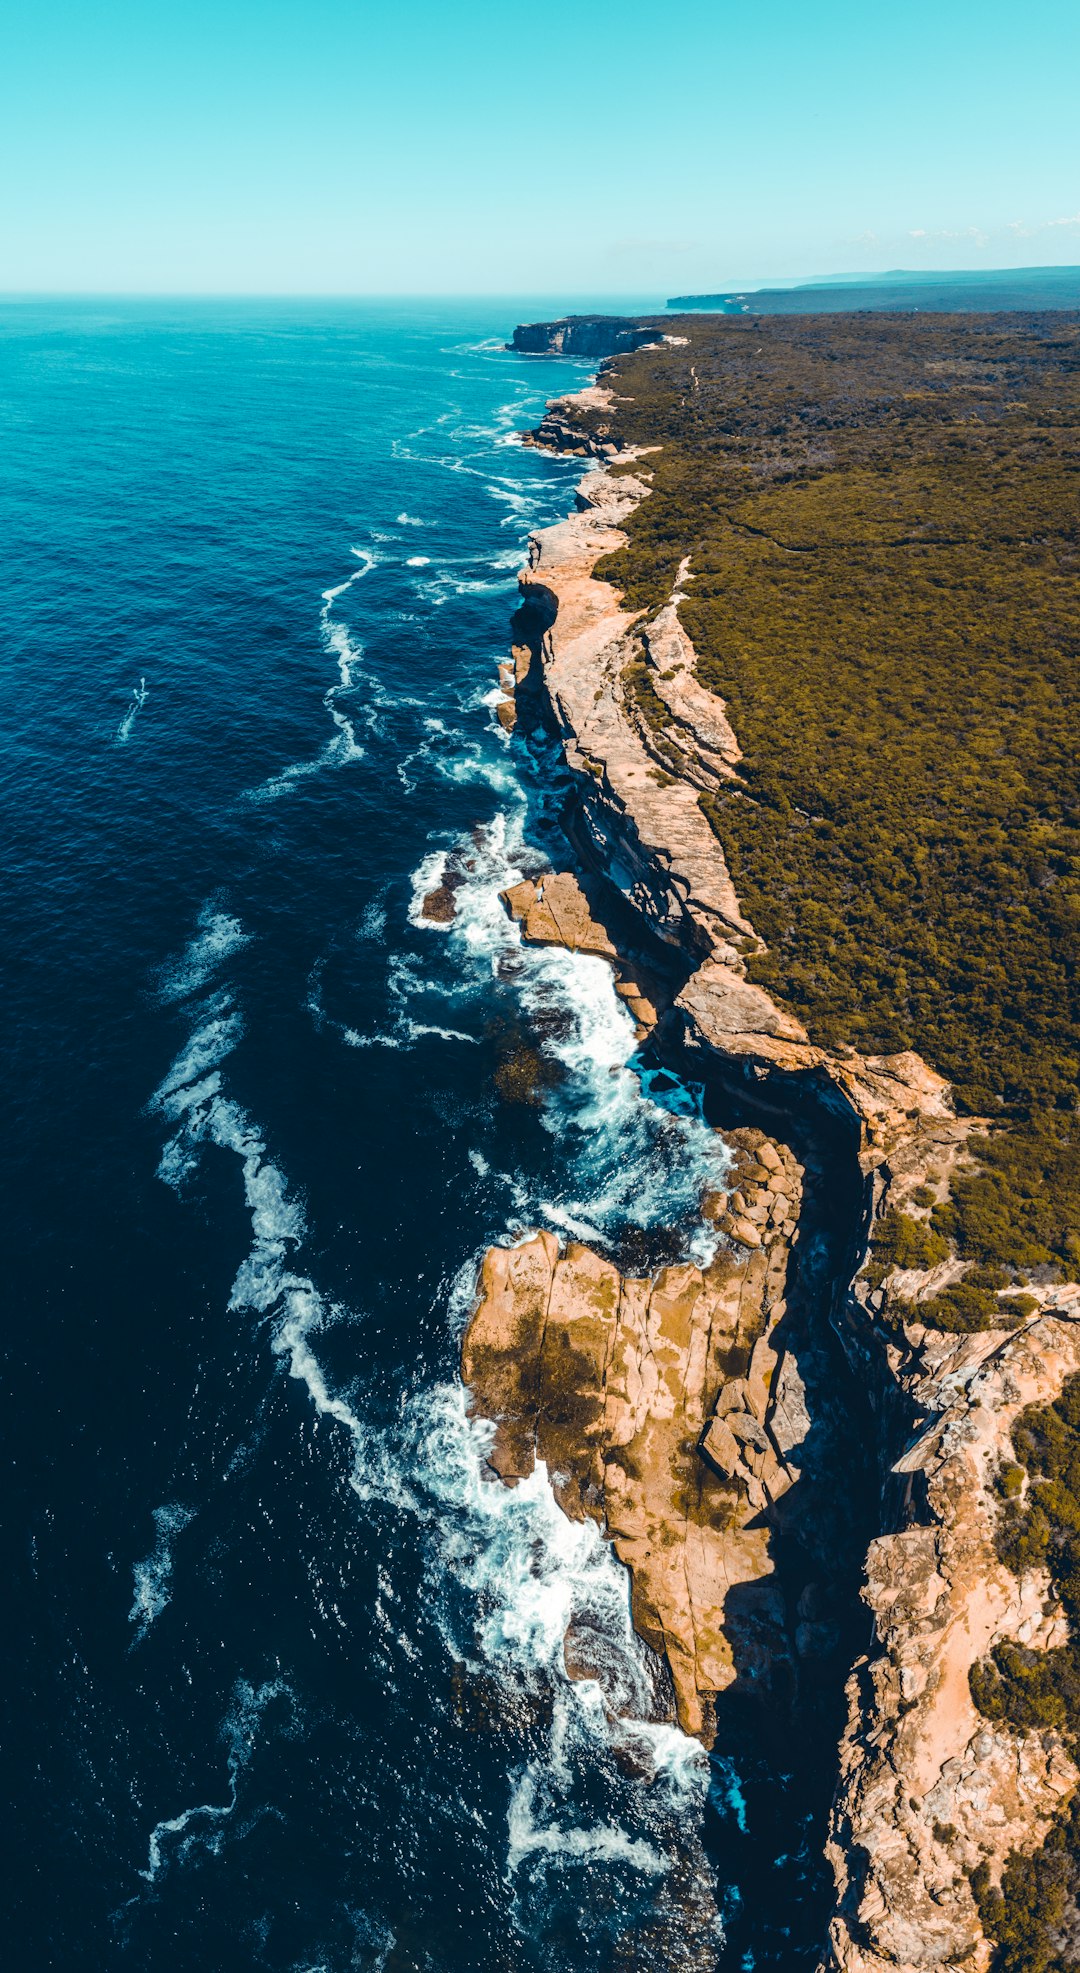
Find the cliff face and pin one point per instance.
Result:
(928, 1788)
(664, 1408)
(583, 335)
(628, 1387)
(641, 823)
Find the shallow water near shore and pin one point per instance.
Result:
(289, 1663)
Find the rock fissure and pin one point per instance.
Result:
(697, 1421)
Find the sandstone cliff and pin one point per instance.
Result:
(927, 1788)
(661, 1408)
(583, 335)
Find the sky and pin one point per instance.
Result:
(469, 147)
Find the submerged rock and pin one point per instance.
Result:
(440, 905)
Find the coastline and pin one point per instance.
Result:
(928, 1787)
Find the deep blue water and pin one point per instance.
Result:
(283, 1668)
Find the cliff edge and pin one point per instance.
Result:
(621, 1385)
(583, 335)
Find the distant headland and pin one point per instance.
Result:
(983, 288)
(583, 335)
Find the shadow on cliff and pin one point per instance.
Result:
(796, 1634)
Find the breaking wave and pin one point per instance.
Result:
(607, 1784)
(630, 1155)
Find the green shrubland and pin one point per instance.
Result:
(882, 515)
(1031, 1918)
(883, 521)
(1039, 1526)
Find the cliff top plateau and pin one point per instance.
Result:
(810, 644)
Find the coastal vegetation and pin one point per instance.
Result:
(1032, 1915)
(882, 516)
(882, 520)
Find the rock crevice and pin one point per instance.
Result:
(664, 1408)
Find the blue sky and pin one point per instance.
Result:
(309, 146)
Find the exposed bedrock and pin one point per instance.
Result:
(584, 335)
(667, 1409)
(927, 1787)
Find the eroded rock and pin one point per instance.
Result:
(554, 910)
(618, 1384)
(927, 1788)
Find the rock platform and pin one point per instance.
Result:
(665, 1409)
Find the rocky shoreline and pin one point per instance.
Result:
(666, 1403)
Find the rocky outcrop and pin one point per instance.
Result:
(667, 1410)
(561, 429)
(553, 910)
(926, 1786)
(584, 335)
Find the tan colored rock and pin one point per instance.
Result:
(650, 834)
(501, 1351)
(614, 1383)
(721, 1447)
(917, 1759)
(744, 1230)
(555, 911)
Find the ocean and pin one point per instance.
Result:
(283, 1661)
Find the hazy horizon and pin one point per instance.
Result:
(361, 152)
(589, 299)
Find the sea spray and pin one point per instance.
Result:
(633, 1157)
(533, 1573)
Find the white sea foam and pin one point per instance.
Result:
(172, 1841)
(373, 922)
(138, 700)
(533, 1572)
(635, 1154)
(344, 748)
(205, 1049)
(530, 1571)
(555, 1844)
(153, 1575)
(218, 937)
